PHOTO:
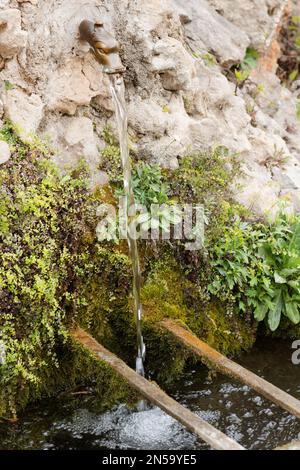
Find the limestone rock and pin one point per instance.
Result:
(68, 88)
(178, 100)
(174, 63)
(4, 152)
(141, 114)
(258, 192)
(207, 30)
(80, 139)
(12, 38)
(23, 110)
(98, 178)
(257, 17)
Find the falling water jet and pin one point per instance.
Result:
(106, 51)
(118, 94)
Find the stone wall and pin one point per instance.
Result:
(179, 97)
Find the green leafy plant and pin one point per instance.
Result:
(243, 70)
(165, 109)
(298, 111)
(151, 191)
(8, 85)
(148, 185)
(257, 268)
(241, 76)
(289, 61)
(281, 253)
(293, 75)
(209, 60)
(250, 59)
(204, 178)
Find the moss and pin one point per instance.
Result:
(110, 158)
(206, 178)
(229, 334)
(76, 368)
(169, 293)
(53, 273)
(163, 292)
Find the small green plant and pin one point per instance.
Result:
(151, 191)
(148, 185)
(204, 178)
(257, 268)
(298, 111)
(243, 70)
(166, 109)
(250, 107)
(289, 62)
(297, 42)
(295, 20)
(111, 157)
(241, 76)
(293, 75)
(281, 253)
(278, 159)
(260, 88)
(196, 55)
(209, 60)
(8, 85)
(250, 59)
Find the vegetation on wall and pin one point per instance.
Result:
(257, 268)
(48, 250)
(54, 273)
(289, 61)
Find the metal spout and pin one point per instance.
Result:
(105, 46)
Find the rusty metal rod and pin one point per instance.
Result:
(232, 369)
(155, 395)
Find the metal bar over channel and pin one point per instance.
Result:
(232, 369)
(155, 395)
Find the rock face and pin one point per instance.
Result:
(206, 29)
(180, 96)
(12, 38)
(26, 111)
(4, 152)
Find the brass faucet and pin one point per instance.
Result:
(105, 46)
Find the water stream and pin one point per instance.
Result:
(118, 95)
(72, 422)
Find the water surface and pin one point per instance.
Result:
(233, 408)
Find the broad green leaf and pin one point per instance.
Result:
(295, 285)
(294, 262)
(266, 252)
(292, 312)
(295, 240)
(293, 75)
(279, 279)
(289, 271)
(275, 314)
(260, 312)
